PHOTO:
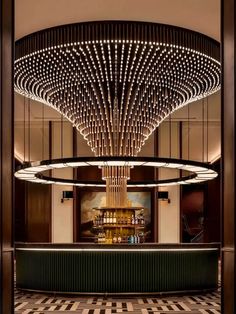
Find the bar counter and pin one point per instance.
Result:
(114, 269)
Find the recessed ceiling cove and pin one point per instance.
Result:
(116, 80)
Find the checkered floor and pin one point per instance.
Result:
(34, 303)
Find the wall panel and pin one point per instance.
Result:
(6, 155)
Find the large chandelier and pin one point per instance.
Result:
(116, 81)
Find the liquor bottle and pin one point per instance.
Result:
(128, 220)
(141, 236)
(108, 217)
(119, 238)
(107, 237)
(110, 237)
(138, 238)
(100, 220)
(114, 218)
(142, 222)
(123, 238)
(136, 220)
(114, 240)
(99, 237)
(105, 218)
(132, 219)
(111, 218)
(131, 239)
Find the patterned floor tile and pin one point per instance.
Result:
(36, 303)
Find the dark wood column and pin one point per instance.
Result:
(228, 153)
(155, 198)
(75, 171)
(6, 155)
(180, 188)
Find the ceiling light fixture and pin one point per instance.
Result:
(197, 171)
(116, 81)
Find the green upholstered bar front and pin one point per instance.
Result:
(116, 271)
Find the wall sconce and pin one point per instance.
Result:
(66, 195)
(163, 196)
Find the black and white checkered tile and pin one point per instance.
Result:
(32, 303)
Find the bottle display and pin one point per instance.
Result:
(114, 217)
(119, 225)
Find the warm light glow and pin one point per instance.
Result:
(215, 158)
(19, 156)
(116, 81)
(114, 249)
(116, 176)
(59, 166)
(76, 164)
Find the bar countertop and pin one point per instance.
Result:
(123, 246)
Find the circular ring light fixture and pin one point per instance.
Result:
(198, 172)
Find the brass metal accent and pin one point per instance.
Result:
(116, 185)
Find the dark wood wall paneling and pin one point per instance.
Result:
(212, 208)
(203, 200)
(38, 212)
(228, 40)
(33, 207)
(75, 212)
(19, 207)
(33, 204)
(181, 226)
(6, 155)
(32, 212)
(200, 200)
(192, 210)
(155, 191)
